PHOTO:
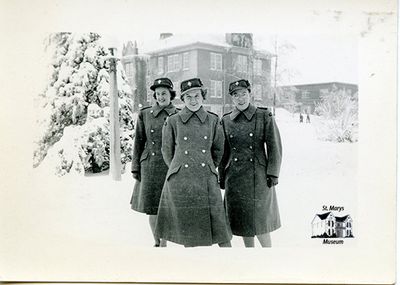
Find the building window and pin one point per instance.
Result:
(242, 63)
(186, 61)
(257, 67)
(257, 89)
(160, 65)
(174, 62)
(149, 96)
(305, 94)
(215, 61)
(216, 89)
(129, 69)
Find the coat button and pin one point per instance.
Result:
(203, 151)
(235, 159)
(153, 153)
(251, 159)
(203, 164)
(251, 134)
(186, 152)
(186, 165)
(234, 148)
(185, 138)
(251, 147)
(151, 111)
(231, 136)
(152, 131)
(205, 137)
(153, 143)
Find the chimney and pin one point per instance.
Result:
(165, 35)
(135, 48)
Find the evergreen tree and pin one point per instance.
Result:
(74, 108)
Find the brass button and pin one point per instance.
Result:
(231, 136)
(186, 152)
(203, 151)
(152, 131)
(153, 143)
(251, 134)
(251, 159)
(235, 159)
(205, 137)
(153, 153)
(234, 148)
(203, 164)
(186, 165)
(151, 111)
(251, 147)
(185, 138)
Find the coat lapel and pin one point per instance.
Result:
(249, 112)
(156, 109)
(185, 114)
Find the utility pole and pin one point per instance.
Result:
(115, 147)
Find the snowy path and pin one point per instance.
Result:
(67, 215)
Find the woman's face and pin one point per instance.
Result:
(241, 98)
(193, 100)
(163, 97)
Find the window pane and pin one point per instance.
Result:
(219, 62)
(186, 60)
(160, 65)
(212, 61)
(170, 62)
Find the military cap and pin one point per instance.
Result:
(239, 84)
(162, 82)
(191, 84)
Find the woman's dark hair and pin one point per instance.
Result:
(171, 92)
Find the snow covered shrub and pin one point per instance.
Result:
(338, 113)
(73, 111)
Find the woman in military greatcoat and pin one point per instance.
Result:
(248, 173)
(148, 166)
(191, 211)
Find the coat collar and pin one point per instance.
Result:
(249, 112)
(156, 109)
(185, 114)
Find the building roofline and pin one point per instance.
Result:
(203, 44)
(321, 83)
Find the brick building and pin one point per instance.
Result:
(307, 96)
(216, 59)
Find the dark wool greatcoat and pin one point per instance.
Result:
(191, 210)
(251, 205)
(147, 159)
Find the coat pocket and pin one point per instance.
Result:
(173, 171)
(212, 168)
(144, 156)
(262, 160)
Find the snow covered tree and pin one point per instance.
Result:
(73, 111)
(339, 113)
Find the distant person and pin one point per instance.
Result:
(250, 167)
(301, 117)
(308, 118)
(148, 166)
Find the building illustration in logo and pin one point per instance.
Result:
(329, 226)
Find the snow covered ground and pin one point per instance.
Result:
(62, 216)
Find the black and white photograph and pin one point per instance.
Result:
(143, 152)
